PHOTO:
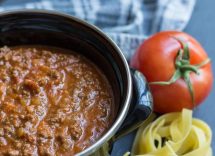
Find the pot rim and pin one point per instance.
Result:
(119, 120)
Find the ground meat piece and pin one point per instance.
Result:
(61, 133)
(31, 139)
(32, 86)
(1, 132)
(54, 74)
(37, 62)
(45, 131)
(16, 122)
(2, 116)
(15, 75)
(67, 143)
(45, 69)
(18, 144)
(29, 150)
(25, 93)
(46, 148)
(13, 153)
(9, 129)
(2, 91)
(43, 81)
(30, 109)
(64, 139)
(7, 56)
(5, 78)
(75, 131)
(9, 107)
(57, 118)
(16, 58)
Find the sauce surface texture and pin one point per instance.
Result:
(52, 103)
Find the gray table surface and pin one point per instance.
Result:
(202, 27)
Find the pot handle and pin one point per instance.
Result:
(141, 104)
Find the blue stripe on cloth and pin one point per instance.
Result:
(127, 22)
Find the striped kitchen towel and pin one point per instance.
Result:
(127, 22)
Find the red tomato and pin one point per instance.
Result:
(156, 58)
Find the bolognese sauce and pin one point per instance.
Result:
(52, 102)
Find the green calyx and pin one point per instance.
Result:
(183, 68)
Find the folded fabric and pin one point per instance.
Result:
(127, 22)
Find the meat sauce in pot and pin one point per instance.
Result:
(53, 102)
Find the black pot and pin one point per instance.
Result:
(133, 100)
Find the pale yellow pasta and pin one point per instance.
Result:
(174, 134)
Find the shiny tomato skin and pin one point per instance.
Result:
(155, 58)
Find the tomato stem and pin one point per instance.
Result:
(186, 77)
(174, 78)
(183, 68)
(189, 68)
